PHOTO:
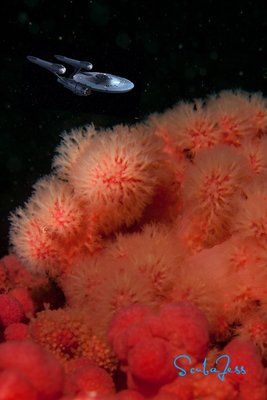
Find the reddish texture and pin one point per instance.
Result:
(210, 386)
(166, 396)
(19, 275)
(122, 321)
(11, 310)
(244, 353)
(67, 334)
(17, 331)
(41, 369)
(77, 363)
(132, 337)
(3, 277)
(24, 298)
(185, 327)
(207, 186)
(89, 379)
(259, 392)
(14, 386)
(181, 386)
(150, 360)
(129, 395)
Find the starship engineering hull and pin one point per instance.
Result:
(82, 82)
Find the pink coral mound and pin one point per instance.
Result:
(185, 327)
(17, 331)
(121, 322)
(151, 360)
(91, 379)
(19, 275)
(14, 386)
(244, 353)
(24, 298)
(40, 368)
(11, 310)
(147, 341)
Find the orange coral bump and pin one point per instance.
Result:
(69, 335)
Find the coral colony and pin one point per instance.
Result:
(138, 268)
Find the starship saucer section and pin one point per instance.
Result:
(103, 82)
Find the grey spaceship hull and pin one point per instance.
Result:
(103, 82)
(83, 83)
(52, 67)
(75, 63)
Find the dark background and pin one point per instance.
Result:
(171, 51)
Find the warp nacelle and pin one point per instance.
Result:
(81, 82)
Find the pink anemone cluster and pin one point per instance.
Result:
(145, 242)
(147, 342)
